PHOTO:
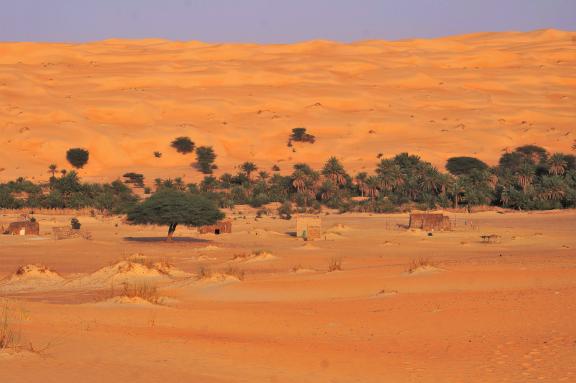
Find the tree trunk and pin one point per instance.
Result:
(171, 230)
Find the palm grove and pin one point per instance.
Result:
(526, 178)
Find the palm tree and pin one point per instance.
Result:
(328, 189)
(263, 176)
(248, 168)
(372, 187)
(557, 164)
(390, 175)
(52, 170)
(553, 188)
(360, 182)
(334, 171)
(525, 175)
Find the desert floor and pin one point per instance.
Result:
(475, 95)
(477, 312)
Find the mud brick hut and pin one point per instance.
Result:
(309, 227)
(218, 228)
(23, 228)
(428, 221)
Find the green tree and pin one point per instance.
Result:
(557, 164)
(205, 158)
(248, 168)
(171, 208)
(183, 145)
(52, 170)
(464, 165)
(77, 157)
(334, 171)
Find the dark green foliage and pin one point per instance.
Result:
(77, 157)
(135, 179)
(285, 210)
(300, 135)
(170, 207)
(75, 223)
(459, 166)
(183, 145)
(205, 158)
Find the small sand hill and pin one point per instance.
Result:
(129, 272)
(32, 278)
(259, 256)
(339, 229)
(125, 301)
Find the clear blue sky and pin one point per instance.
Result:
(274, 21)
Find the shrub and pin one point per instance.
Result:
(416, 264)
(77, 157)
(205, 157)
(464, 165)
(134, 178)
(335, 264)
(157, 154)
(183, 145)
(300, 135)
(285, 210)
(75, 223)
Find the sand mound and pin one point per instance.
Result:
(254, 257)
(129, 272)
(32, 277)
(219, 278)
(339, 228)
(424, 270)
(308, 246)
(125, 301)
(264, 233)
(333, 236)
(209, 248)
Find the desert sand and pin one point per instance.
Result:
(472, 312)
(477, 95)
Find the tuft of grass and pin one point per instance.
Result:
(204, 273)
(235, 272)
(335, 264)
(417, 263)
(143, 290)
(9, 335)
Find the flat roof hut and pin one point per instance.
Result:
(308, 227)
(218, 228)
(23, 228)
(430, 221)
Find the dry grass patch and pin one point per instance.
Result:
(145, 291)
(419, 264)
(335, 264)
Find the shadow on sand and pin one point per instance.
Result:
(163, 239)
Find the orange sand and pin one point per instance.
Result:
(464, 95)
(499, 312)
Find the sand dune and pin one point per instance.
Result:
(124, 99)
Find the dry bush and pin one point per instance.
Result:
(417, 263)
(335, 264)
(142, 290)
(235, 272)
(9, 335)
(204, 273)
(297, 268)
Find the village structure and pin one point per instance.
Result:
(222, 227)
(25, 227)
(309, 227)
(430, 221)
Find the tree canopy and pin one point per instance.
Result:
(182, 145)
(459, 166)
(172, 207)
(77, 157)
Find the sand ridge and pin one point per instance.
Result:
(125, 99)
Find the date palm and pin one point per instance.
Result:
(248, 168)
(334, 171)
(52, 170)
(360, 182)
(557, 164)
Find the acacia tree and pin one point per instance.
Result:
(172, 207)
(183, 145)
(205, 157)
(77, 157)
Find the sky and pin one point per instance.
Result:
(274, 21)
